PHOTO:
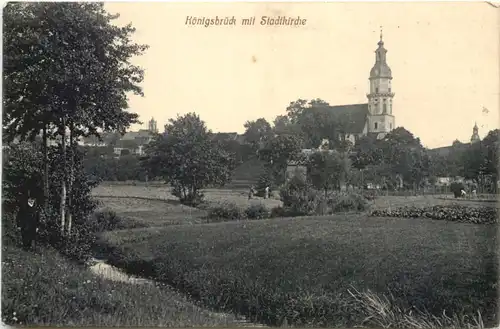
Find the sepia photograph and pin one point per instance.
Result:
(250, 164)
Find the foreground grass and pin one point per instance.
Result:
(45, 289)
(300, 270)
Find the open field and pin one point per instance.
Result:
(153, 212)
(46, 289)
(301, 268)
(238, 196)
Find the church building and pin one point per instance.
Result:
(376, 116)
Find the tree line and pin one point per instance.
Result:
(189, 158)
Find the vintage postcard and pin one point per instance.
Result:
(265, 164)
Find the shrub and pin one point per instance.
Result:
(369, 195)
(298, 197)
(257, 211)
(226, 210)
(456, 188)
(277, 211)
(347, 202)
(108, 220)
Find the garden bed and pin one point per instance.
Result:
(454, 213)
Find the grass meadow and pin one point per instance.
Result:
(303, 271)
(342, 270)
(46, 289)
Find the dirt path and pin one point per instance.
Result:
(109, 272)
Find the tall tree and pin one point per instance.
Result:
(72, 67)
(188, 158)
(257, 132)
(327, 170)
(277, 153)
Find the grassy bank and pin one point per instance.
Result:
(301, 269)
(46, 289)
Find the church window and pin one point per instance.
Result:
(390, 126)
(376, 125)
(376, 89)
(385, 107)
(389, 89)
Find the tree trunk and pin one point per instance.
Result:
(45, 172)
(70, 180)
(63, 180)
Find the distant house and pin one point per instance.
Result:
(134, 142)
(444, 181)
(225, 136)
(240, 138)
(298, 167)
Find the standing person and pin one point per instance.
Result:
(28, 219)
(250, 192)
(266, 194)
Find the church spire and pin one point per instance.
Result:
(475, 134)
(380, 69)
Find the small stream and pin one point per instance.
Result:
(108, 272)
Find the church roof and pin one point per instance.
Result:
(353, 117)
(225, 136)
(381, 70)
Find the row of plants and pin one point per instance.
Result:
(455, 213)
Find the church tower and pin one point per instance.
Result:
(380, 119)
(475, 134)
(152, 126)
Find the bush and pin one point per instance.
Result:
(278, 211)
(347, 202)
(298, 197)
(257, 211)
(226, 210)
(482, 215)
(189, 198)
(456, 188)
(369, 195)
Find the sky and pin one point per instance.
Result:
(445, 61)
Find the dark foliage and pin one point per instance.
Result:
(456, 188)
(226, 211)
(299, 199)
(23, 171)
(257, 211)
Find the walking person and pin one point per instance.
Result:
(266, 194)
(28, 219)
